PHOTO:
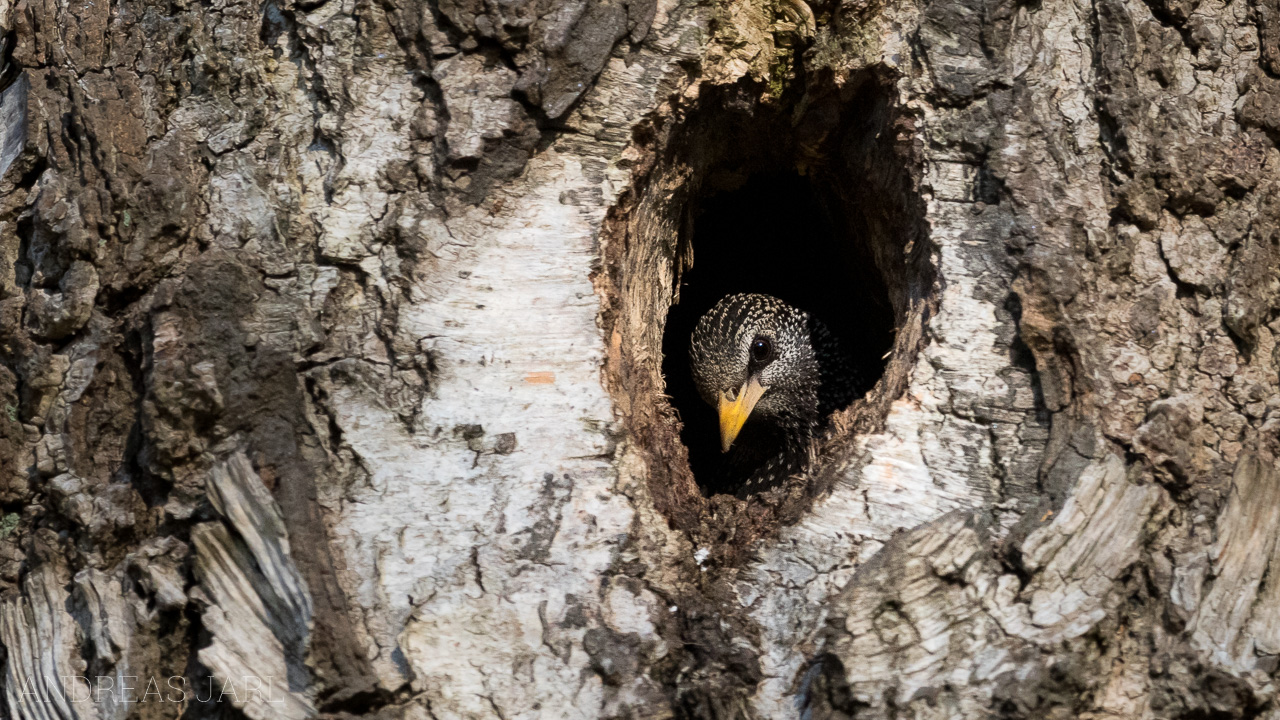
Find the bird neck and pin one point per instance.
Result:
(765, 454)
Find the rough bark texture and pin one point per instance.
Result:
(330, 360)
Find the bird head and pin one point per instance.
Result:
(753, 359)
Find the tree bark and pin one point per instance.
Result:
(331, 360)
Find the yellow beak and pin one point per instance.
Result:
(734, 413)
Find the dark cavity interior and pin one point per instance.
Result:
(780, 234)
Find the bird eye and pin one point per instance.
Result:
(761, 348)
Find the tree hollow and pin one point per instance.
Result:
(811, 197)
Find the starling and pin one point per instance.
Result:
(774, 374)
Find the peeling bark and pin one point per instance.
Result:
(331, 357)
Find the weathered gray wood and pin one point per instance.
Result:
(44, 676)
(254, 603)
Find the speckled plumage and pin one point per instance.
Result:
(807, 376)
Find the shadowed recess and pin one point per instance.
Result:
(778, 234)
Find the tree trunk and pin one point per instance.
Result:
(332, 359)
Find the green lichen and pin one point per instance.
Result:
(781, 71)
(8, 524)
(858, 45)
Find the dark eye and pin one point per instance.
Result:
(761, 348)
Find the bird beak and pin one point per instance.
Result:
(734, 413)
